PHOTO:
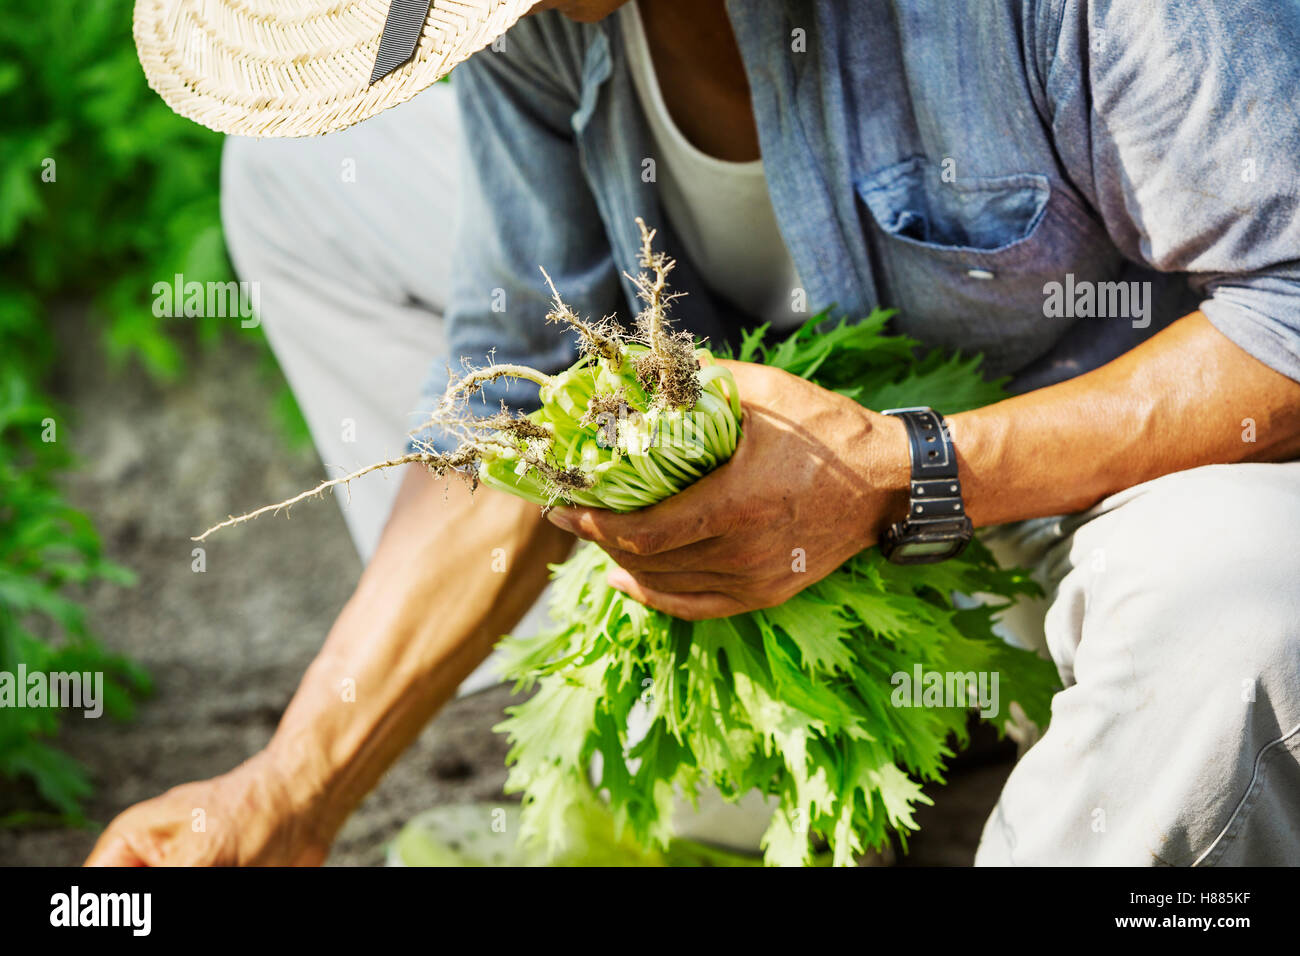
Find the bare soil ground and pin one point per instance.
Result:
(226, 647)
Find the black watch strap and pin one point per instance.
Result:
(936, 515)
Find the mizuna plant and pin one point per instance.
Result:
(636, 419)
(800, 702)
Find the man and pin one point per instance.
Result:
(992, 174)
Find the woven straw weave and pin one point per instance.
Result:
(298, 67)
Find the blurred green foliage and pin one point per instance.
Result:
(46, 549)
(103, 192)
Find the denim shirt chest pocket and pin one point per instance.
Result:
(966, 260)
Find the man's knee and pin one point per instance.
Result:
(369, 210)
(267, 201)
(1178, 631)
(1204, 561)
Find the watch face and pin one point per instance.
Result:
(917, 549)
(904, 544)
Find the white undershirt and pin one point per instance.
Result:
(720, 210)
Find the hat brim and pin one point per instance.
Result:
(259, 68)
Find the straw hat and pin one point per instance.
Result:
(302, 67)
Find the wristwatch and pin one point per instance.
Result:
(936, 527)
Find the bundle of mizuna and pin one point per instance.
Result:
(800, 702)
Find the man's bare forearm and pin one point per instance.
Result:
(1178, 401)
(452, 573)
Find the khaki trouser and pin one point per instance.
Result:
(1173, 609)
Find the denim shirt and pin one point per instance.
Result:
(989, 168)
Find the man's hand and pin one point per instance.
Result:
(814, 480)
(246, 817)
(429, 607)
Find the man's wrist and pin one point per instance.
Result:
(978, 437)
(890, 470)
(304, 780)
